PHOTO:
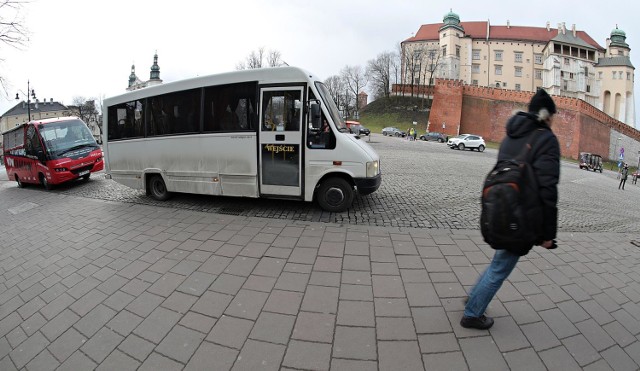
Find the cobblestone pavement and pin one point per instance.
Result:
(87, 283)
(425, 184)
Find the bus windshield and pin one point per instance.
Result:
(65, 136)
(331, 106)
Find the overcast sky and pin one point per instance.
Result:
(86, 48)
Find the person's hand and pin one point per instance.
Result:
(549, 244)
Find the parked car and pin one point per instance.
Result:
(356, 128)
(590, 161)
(394, 132)
(439, 137)
(465, 141)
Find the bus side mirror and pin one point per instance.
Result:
(316, 117)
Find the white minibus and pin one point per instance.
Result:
(272, 132)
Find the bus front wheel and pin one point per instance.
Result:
(45, 183)
(158, 189)
(335, 195)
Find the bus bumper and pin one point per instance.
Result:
(368, 185)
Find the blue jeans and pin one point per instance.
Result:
(489, 282)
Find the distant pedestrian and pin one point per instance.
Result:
(544, 159)
(414, 133)
(623, 176)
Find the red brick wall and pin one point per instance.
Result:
(579, 126)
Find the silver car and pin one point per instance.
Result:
(465, 141)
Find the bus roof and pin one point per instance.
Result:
(43, 121)
(261, 75)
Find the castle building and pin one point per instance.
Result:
(154, 76)
(565, 62)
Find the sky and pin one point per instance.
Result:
(86, 48)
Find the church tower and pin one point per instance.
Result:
(154, 75)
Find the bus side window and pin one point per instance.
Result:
(322, 138)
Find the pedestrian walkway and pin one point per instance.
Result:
(89, 284)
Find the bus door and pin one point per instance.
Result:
(280, 141)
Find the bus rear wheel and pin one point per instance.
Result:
(335, 195)
(158, 189)
(45, 183)
(20, 184)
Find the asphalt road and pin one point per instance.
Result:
(425, 184)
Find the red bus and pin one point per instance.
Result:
(51, 152)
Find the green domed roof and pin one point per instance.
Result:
(451, 18)
(618, 32)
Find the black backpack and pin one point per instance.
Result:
(511, 217)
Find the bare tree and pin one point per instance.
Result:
(379, 73)
(86, 110)
(355, 80)
(337, 89)
(256, 59)
(412, 55)
(12, 29)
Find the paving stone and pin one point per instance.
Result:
(356, 313)
(320, 299)
(56, 306)
(325, 279)
(59, 324)
(482, 353)
(438, 343)
(627, 321)
(356, 278)
(421, 294)
(215, 265)
(43, 361)
(198, 322)
(395, 329)
(388, 287)
(430, 320)
(16, 336)
(94, 320)
(573, 311)
(273, 328)
(259, 283)
(399, 355)
(524, 359)
(304, 355)
(155, 326)
(101, 344)
(240, 266)
(33, 324)
(230, 332)
(392, 307)
(28, 349)
(353, 365)
(166, 284)
(158, 362)
(124, 322)
(135, 287)
(259, 355)
(507, 335)
(356, 292)
(595, 335)
(581, 350)
(180, 344)
(596, 312)
(540, 336)
(444, 361)
(136, 347)
(227, 284)
(212, 356)
(558, 359)
(144, 304)
(247, 304)
(356, 263)
(559, 323)
(118, 361)
(212, 304)
(270, 267)
(78, 361)
(179, 302)
(66, 344)
(355, 343)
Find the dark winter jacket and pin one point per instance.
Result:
(545, 160)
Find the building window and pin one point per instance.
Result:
(571, 75)
(628, 75)
(561, 73)
(476, 54)
(566, 61)
(518, 71)
(600, 75)
(538, 58)
(498, 56)
(475, 68)
(517, 87)
(565, 85)
(518, 56)
(444, 51)
(620, 72)
(458, 51)
(498, 70)
(614, 75)
(588, 88)
(474, 82)
(538, 74)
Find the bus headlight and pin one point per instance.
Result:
(373, 169)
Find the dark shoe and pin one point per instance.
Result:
(481, 323)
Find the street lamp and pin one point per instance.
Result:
(31, 94)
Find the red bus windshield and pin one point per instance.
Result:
(63, 137)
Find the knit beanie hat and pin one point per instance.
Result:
(542, 100)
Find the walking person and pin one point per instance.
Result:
(623, 176)
(544, 155)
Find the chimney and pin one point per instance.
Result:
(508, 24)
(564, 28)
(573, 29)
(559, 28)
(548, 26)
